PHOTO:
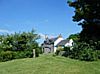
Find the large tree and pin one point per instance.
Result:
(87, 13)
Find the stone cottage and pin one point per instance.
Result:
(50, 44)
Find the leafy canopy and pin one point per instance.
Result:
(87, 13)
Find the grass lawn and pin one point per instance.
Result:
(47, 64)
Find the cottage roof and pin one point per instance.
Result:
(54, 39)
(62, 43)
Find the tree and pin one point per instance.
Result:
(75, 37)
(87, 13)
(18, 45)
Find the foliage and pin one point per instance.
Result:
(58, 50)
(22, 54)
(75, 37)
(81, 51)
(68, 51)
(88, 55)
(98, 52)
(22, 44)
(84, 51)
(63, 51)
(84, 9)
(6, 55)
(87, 14)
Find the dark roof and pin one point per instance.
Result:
(62, 43)
(49, 41)
(54, 39)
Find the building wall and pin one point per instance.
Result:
(69, 44)
(56, 42)
(55, 48)
(48, 48)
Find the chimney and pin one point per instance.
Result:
(46, 37)
(60, 36)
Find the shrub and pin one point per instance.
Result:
(39, 50)
(81, 51)
(88, 54)
(23, 54)
(19, 54)
(58, 50)
(98, 52)
(9, 55)
(63, 51)
(26, 54)
(19, 45)
(6, 55)
(68, 51)
(84, 51)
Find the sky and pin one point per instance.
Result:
(50, 17)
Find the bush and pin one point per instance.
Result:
(58, 50)
(63, 51)
(19, 45)
(19, 54)
(84, 51)
(81, 51)
(68, 51)
(23, 54)
(37, 51)
(98, 52)
(26, 54)
(6, 55)
(9, 55)
(88, 54)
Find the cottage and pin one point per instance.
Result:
(50, 45)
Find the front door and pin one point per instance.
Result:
(47, 50)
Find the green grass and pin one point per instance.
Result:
(47, 64)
